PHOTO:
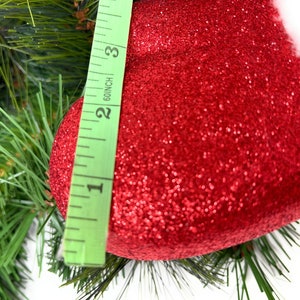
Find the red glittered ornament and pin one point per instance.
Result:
(208, 148)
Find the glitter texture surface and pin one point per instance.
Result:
(208, 149)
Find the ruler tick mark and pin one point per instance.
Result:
(80, 196)
(83, 218)
(75, 240)
(112, 15)
(85, 128)
(78, 185)
(100, 73)
(89, 103)
(104, 104)
(96, 64)
(75, 206)
(94, 177)
(89, 95)
(86, 156)
(88, 120)
(95, 88)
(102, 27)
(120, 46)
(92, 138)
(80, 165)
(72, 228)
(97, 56)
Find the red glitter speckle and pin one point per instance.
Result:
(208, 149)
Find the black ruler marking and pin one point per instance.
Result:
(80, 196)
(86, 128)
(94, 177)
(97, 65)
(97, 56)
(119, 46)
(86, 156)
(79, 185)
(71, 251)
(100, 73)
(91, 95)
(80, 165)
(88, 111)
(95, 87)
(75, 240)
(92, 138)
(105, 28)
(112, 15)
(72, 228)
(83, 218)
(104, 104)
(75, 206)
(89, 120)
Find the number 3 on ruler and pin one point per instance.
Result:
(112, 51)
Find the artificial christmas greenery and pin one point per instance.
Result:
(38, 41)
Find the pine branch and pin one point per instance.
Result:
(39, 40)
(26, 141)
(262, 257)
(12, 279)
(91, 283)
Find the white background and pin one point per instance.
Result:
(46, 286)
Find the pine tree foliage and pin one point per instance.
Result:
(38, 41)
(26, 142)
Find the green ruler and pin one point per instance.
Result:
(92, 180)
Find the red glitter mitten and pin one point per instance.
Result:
(208, 148)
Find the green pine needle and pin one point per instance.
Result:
(39, 40)
(262, 257)
(93, 282)
(27, 139)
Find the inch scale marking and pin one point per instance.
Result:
(92, 179)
